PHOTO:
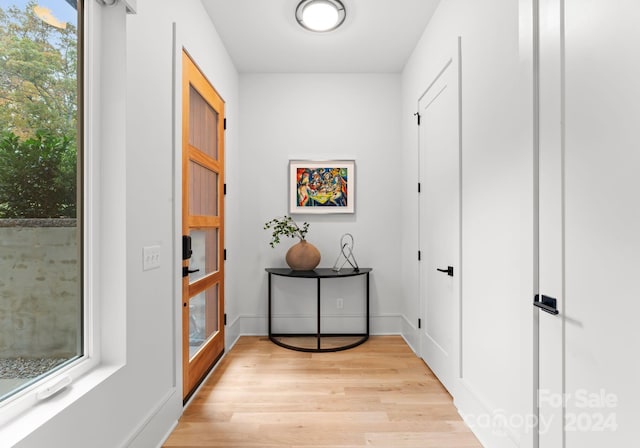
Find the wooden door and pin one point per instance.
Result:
(202, 225)
(440, 221)
(589, 220)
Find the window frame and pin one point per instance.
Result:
(102, 56)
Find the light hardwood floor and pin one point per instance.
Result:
(378, 394)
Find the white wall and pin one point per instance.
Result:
(320, 116)
(497, 202)
(138, 405)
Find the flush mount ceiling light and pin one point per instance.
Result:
(320, 16)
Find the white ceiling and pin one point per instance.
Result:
(262, 36)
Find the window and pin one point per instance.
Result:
(41, 263)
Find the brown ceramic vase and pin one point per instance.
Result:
(303, 256)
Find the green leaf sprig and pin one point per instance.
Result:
(285, 226)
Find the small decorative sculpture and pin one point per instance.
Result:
(346, 251)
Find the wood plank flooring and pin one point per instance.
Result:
(376, 395)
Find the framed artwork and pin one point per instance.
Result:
(322, 187)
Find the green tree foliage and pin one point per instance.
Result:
(37, 177)
(38, 115)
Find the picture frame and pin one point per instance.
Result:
(322, 187)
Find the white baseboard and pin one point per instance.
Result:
(232, 334)
(410, 334)
(165, 414)
(167, 434)
(484, 420)
(256, 325)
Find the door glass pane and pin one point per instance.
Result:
(203, 125)
(204, 244)
(203, 318)
(203, 190)
(41, 301)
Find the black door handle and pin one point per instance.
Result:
(449, 270)
(186, 247)
(186, 271)
(546, 304)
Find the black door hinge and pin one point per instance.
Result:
(419, 255)
(419, 323)
(224, 189)
(225, 124)
(225, 319)
(417, 114)
(225, 255)
(419, 187)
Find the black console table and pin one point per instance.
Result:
(318, 274)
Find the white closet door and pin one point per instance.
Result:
(440, 221)
(550, 266)
(595, 336)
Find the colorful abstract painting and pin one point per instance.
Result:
(321, 187)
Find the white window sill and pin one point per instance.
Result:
(18, 427)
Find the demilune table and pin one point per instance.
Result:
(318, 274)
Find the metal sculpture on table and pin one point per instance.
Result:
(346, 254)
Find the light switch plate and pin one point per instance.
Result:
(150, 257)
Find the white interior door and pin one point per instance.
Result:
(550, 252)
(589, 220)
(439, 221)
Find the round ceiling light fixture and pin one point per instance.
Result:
(320, 16)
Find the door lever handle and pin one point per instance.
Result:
(546, 304)
(449, 270)
(186, 271)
